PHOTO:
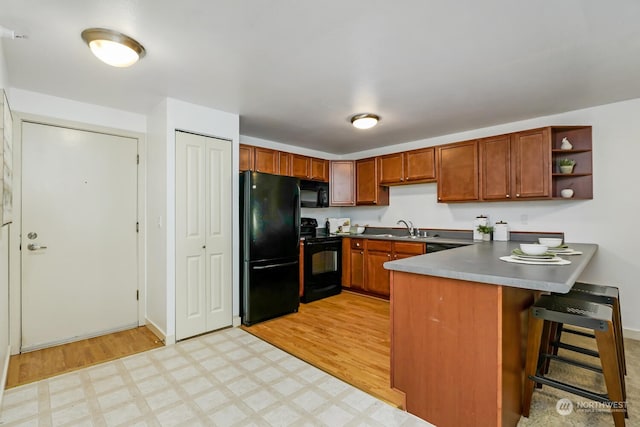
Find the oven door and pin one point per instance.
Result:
(322, 269)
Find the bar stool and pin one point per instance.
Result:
(600, 294)
(585, 314)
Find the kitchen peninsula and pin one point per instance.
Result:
(458, 330)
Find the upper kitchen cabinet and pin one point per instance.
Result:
(284, 163)
(515, 166)
(368, 188)
(580, 180)
(300, 166)
(342, 183)
(305, 167)
(531, 163)
(408, 167)
(246, 157)
(458, 179)
(266, 160)
(319, 169)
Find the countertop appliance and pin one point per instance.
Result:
(322, 273)
(269, 246)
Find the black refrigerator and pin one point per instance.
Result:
(269, 246)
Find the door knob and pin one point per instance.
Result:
(34, 247)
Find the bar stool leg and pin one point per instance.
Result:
(620, 340)
(534, 338)
(611, 370)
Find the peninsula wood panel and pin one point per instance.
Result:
(448, 349)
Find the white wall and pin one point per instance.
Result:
(608, 220)
(179, 115)
(4, 259)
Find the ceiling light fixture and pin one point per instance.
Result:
(112, 47)
(364, 121)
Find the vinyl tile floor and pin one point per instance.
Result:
(227, 378)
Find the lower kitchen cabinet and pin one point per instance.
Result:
(356, 270)
(365, 270)
(377, 278)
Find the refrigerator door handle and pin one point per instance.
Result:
(297, 211)
(264, 267)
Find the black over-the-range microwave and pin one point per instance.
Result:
(314, 194)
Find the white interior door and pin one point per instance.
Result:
(203, 234)
(79, 238)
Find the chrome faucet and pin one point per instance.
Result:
(409, 227)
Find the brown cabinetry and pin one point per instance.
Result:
(364, 270)
(408, 167)
(266, 160)
(284, 163)
(246, 157)
(458, 179)
(357, 267)
(515, 166)
(368, 188)
(530, 163)
(305, 167)
(342, 183)
(580, 180)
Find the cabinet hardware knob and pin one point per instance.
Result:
(508, 196)
(517, 194)
(361, 253)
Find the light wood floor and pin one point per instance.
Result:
(346, 335)
(40, 364)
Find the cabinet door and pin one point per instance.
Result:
(458, 172)
(368, 189)
(357, 268)
(532, 152)
(266, 160)
(319, 169)
(246, 157)
(391, 168)
(495, 166)
(378, 278)
(342, 183)
(300, 166)
(284, 163)
(420, 165)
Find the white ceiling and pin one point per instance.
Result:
(296, 70)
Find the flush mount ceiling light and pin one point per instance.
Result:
(112, 47)
(364, 121)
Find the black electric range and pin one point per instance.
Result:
(322, 262)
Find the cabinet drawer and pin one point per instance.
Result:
(357, 243)
(409, 248)
(379, 245)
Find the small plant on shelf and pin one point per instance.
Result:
(566, 165)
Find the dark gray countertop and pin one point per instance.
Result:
(480, 262)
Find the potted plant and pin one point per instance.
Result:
(566, 165)
(486, 231)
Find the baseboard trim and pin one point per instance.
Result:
(633, 334)
(236, 321)
(156, 331)
(5, 371)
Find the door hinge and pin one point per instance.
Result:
(137, 159)
(137, 295)
(137, 227)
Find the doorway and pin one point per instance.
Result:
(79, 244)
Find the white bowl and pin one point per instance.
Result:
(567, 193)
(551, 242)
(533, 248)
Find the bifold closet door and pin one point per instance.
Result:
(203, 234)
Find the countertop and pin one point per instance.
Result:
(480, 262)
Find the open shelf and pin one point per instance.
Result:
(581, 180)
